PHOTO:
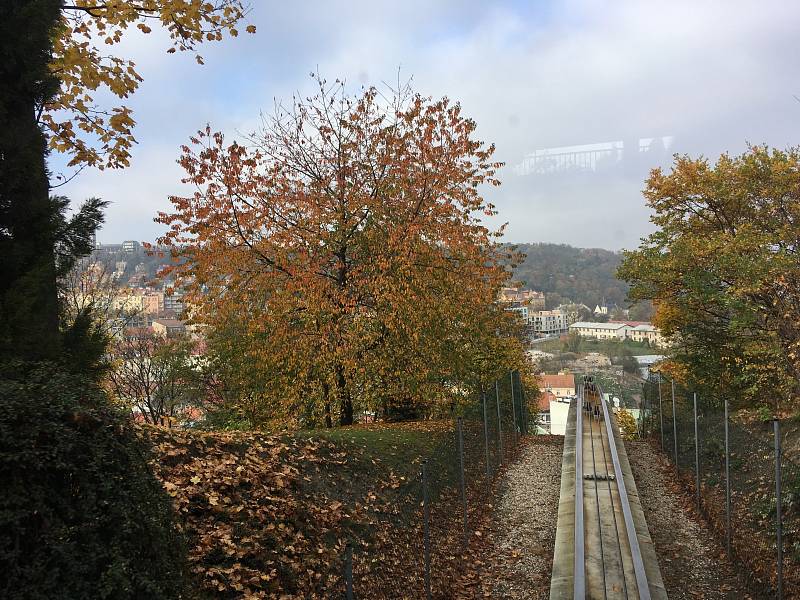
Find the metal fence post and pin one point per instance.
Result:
(660, 412)
(674, 424)
(499, 423)
(523, 411)
(348, 571)
(513, 408)
(727, 486)
(486, 435)
(463, 480)
(426, 517)
(778, 505)
(642, 403)
(696, 454)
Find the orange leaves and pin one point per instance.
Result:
(348, 233)
(87, 133)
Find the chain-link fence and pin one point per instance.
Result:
(433, 515)
(736, 470)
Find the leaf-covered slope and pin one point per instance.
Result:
(269, 516)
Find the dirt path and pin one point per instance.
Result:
(524, 524)
(692, 563)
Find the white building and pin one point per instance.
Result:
(616, 330)
(646, 361)
(646, 332)
(600, 331)
(549, 322)
(559, 410)
(522, 311)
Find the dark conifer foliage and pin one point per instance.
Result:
(28, 293)
(81, 514)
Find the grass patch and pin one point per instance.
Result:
(397, 445)
(610, 348)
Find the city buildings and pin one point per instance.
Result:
(168, 327)
(555, 392)
(532, 299)
(636, 331)
(600, 331)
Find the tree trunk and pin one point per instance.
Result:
(326, 390)
(28, 293)
(343, 395)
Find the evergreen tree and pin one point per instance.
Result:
(28, 294)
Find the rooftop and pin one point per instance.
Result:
(169, 322)
(592, 325)
(562, 380)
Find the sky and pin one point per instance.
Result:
(708, 76)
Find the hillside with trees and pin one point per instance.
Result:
(583, 275)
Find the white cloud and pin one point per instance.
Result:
(713, 74)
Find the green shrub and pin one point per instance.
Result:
(627, 425)
(81, 514)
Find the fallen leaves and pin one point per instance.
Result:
(270, 516)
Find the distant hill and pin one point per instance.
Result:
(583, 275)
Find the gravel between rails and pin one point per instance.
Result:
(692, 562)
(524, 524)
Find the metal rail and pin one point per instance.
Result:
(633, 539)
(579, 567)
(579, 573)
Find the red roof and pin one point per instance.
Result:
(555, 381)
(544, 399)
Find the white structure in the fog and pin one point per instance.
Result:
(589, 157)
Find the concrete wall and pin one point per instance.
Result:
(558, 417)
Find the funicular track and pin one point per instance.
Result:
(603, 548)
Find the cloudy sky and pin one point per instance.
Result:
(713, 75)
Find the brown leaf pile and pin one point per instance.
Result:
(250, 533)
(270, 516)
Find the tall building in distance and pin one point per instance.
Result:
(531, 299)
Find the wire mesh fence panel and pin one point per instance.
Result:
(507, 416)
(424, 552)
(490, 416)
(684, 425)
(699, 445)
(753, 500)
(790, 509)
(385, 552)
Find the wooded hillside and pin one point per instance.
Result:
(584, 275)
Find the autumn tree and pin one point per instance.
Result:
(154, 375)
(345, 240)
(55, 61)
(723, 272)
(572, 343)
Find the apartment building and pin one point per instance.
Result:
(636, 331)
(645, 332)
(599, 331)
(168, 327)
(548, 322)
